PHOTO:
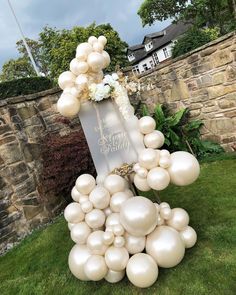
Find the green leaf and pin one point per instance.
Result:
(144, 110)
(175, 119)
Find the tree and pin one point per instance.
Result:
(55, 48)
(221, 13)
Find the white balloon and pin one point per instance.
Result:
(83, 199)
(148, 158)
(95, 218)
(95, 243)
(158, 178)
(98, 47)
(66, 79)
(129, 193)
(142, 172)
(164, 205)
(95, 268)
(136, 167)
(141, 183)
(116, 258)
(68, 105)
(95, 61)
(188, 236)
(108, 238)
(107, 211)
(165, 162)
(142, 270)
(92, 40)
(117, 200)
(100, 197)
(73, 213)
(119, 242)
(134, 244)
(160, 220)
(164, 153)
(114, 183)
(154, 140)
(157, 207)
(75, 194)
(118, 230)
(85, 183)
(80, 232)
(179, 219)
(84, 47)
(114, 276)
(113, 219)
(78, 67)
(103, 40)
(147, 125)
(166, 213)
(106, 59)
(184, 168)
(86, 206)
(81, 81)
(70, 225)
(76, 91)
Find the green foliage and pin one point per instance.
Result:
(180, 133)
(24, 86)
(193, 39)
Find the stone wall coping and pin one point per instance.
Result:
(34, 96)
(174, 60)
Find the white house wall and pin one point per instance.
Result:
(145, 61)
(160, 52)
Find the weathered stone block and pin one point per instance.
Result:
(221, 58)
(27, 112)
(208, 51)
(193, 58)
(10, 153)
(179, 91)
(230, 73)
(219, 126)
(226, 103)
(218, 78)
(31, 211)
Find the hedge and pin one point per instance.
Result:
(24, 86)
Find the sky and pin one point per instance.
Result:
(33, 15)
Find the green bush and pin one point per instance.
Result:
(182, 134)
(193, 39)
(24, 86)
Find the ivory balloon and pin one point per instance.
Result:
(85, 183)
(106, 59)
(114, 183)
(154, 140)
(184, 168)
(141, 183)
(147, 125)
(70, 225)
(116, 258)
(95, 268)
(136, 167)
(134, 244)
(129, 193)
(76, 91)
(108, 238)
(95, 218)
(78, 256)
(160, 220)
(75, 194)
(138, 215)
(68, 105)
(92, 40)
(164, 162)
(80, 232)
(98, 47)
(86, 206)
(107, 211)
(73, 213)
(66, 79)
(158, 178)
(84, 47)
(118, 230)
(119, 242)
(78, 67)
(179, 219)
(83, 199)
(148, 158)
(164, 153)
(165, 246)
(142, 172)
(188, 236)
(166, 213)
(103, 40)
(81, 81)
(117, 200)
(114, 276)
(142, 270)
(95, 243)
(81, 55)
(164, 205)
(113, 219)
(100, 197)
(95, 61)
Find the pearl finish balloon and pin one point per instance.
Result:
(114, 183)
(142, 172)
(164, 153)
(116, 258)
(114, 276)
(80, 232)
(129, 193)
(154, 140)
(100, 197)
(147, 125)
(86, 206)
(158, 178)
(134, 244)
(179, 219)
(85, 183)
(113, 219)
(78, 256)
(103, 40)
(164, 205)
(66, 79)
(118, 230)
(107, 211)
(188, 236)
(165, 246)
(78, 67)
(165, 162)
(136, 167)
(85, 47)
(92, 40)
(95, 61)
(119, 242)
(81, 81)
(166, 213)
(184, 168)
(95, 268)
(73, 213)
(95, 243)
(95, 218)
(117, 200)
(98, 47)
(76, 91)
(75, 194)
(148, 158)
(141, 183)
(108, 238)
(70, 225)
(142, 270)
(157, 207)
(83, 199)
(138, 215)
(81, 55)
(160, 220)
(106, 59)
(68, 105)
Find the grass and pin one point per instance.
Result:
(39, 264)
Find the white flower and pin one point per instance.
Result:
(99, 92)
(115, 76)
(110, 80)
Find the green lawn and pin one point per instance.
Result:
(39, 264)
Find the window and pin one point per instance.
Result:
(149, 46)
(131, 57)
(145, 67)
(135, 69)
(155, 58)
(152, 64)
(166, 53)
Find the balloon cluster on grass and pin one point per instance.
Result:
(116, 232)
(85, 69)
(157, 168)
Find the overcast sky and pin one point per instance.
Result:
(33, 15)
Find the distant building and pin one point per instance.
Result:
(155, 48)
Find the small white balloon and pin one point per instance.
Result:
(75, 194)
(78, 67)
(73, 213)
(95, 61)
(136, 167)
(98, 47)
(116, 258)
(188, 236)
(148, 158)
(106, 59)
(70, 225)
(160, 220)
(158, 178)
(95, 243)
(114, 276)
(68, 105)
(165, 162)
(92, 40)
(86, 206)
(84, 47)
(147, 125)
(66, 79)
(118, 230)
(179, 219)
(100, 197)
(114, 183)
(141, 183)
(119, 242)
(81, 81)
(103, 40)
(117, 200)
(95, 218)
(164, 153)
(154, 140)
(142, 172)
(129, 193)
(83, 199)
(113, 219)
(76, 91)
(95, 268)
(80, 232)
(134, 244)
(164, 205)
(166, 213)
(108, 238)
(107, 211)
(85, 183)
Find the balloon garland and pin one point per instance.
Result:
(114, 231)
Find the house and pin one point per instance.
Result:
(155, 48)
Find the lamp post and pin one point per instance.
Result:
(24, 40)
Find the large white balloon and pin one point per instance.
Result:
(106, 59)
(75, 194)
(80, 232)
(66, 79)
(68, 105)
(85, 183)
(92, 40)
(114, 183)
(117, 200)
(78, 256)
(100, 197)
(165, 245)
(95, 61)
(96, 244)
(73, 213)
(147, 125)
(179, 219)
(114, 276)
(148, 158)
(138, 215)
(95, 218)
(184, 168)
(78, 67)
(142, 270)
(84, 47)
(134, 244)
(95, 268)
(116, 258)
(188, 236)
(154, 140)
(158, 178)
(141, 183)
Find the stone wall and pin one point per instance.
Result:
(205, 82)
(24, 122)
